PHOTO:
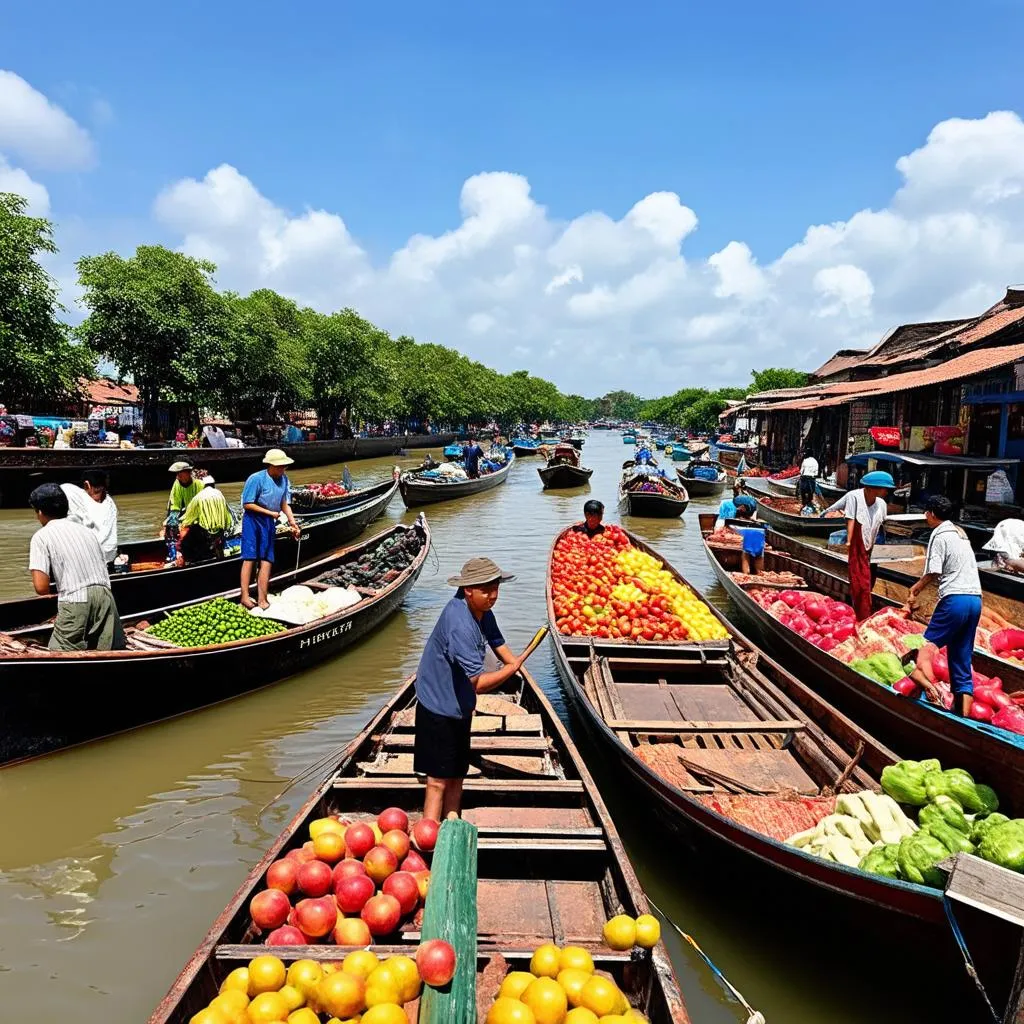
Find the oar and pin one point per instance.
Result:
(538, 639)
(753, 1016)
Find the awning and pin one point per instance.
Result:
(937, 461)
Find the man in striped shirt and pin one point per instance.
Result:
(203, 526)
(69, 555)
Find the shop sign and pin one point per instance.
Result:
(886, 437)
(937, 440)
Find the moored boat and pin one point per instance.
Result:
(563, 469)
(153, 583)
(159, 679)
(420, 489)
(784, 515)
(787, 488)
(704, 479)
(542, 863)
(524, 446)
(644, 492)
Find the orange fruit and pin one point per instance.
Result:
(620, 932)
(341, 994)
(267, 1008)
(547, 999)
(516, 983)
(208, 1015)
(360, 962)
(383, 986)
(546, 961)
(232, 1004)
(572, 980)
(293, 997)
(577, 958)
(509, 1011)
(580, 1015)
(266, 974)
(384, 1013)
(303, 1016)
(329, 846)
(648, 931)
(408, 975)
(600, 996)
(305, 975)
(238, 979)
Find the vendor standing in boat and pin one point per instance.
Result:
(865, 511)
(950, 561)
(92, 506)
(265, 496)
(593, 516)
(472, 453)
(183, 490)
(203, 526)
(752, 556)
(808, 479)
(448, 679)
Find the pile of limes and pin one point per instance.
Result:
(213, 622)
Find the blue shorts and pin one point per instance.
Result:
(258, 537)
(753, 542)
(953, 626)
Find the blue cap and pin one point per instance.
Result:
(877, 479)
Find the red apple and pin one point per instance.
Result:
(413, 862)
(359, 839)
(435, 960)
(309, 849)
(314, 878)
(353, 892)
(300, 855)
(404, 887)
(423, 881)
(381, 914)
(285, 936)
(269, 909)
(316, 917)
(379, 863)
(397, 842)
(352, 931)
(347, 868)
(392, 818)
(424, 834)
(281, 875)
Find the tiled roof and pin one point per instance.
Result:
(108, 392)
(906, 339)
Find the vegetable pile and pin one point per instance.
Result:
(786, 474)
(602, 586)
(725, 538)
(821, 620)
(377, 568)
(298, 605)
(794, 506)
(213, 622)
(312, 495)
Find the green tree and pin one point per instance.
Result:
(157, 317)
(621, 405)
(40, 361)
(773, 378)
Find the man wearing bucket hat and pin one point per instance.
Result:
(184, 488)
(449, 677)
(266, 494)
(865, 511)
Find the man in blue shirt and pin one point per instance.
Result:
(472, 453)
(265, 496)
(450, 675)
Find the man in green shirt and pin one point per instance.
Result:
(183, 490)
(203, 526)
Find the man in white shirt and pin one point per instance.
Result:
(93, 507)
(69, 555)
(808, 478)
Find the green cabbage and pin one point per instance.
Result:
(951, 838)
(1003, 844)
(958, 784)
(882, 860)
(913, 641)
(917, 856)
(944, 808)
(904, 781)
(982, 825)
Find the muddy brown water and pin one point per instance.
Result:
(115, 857)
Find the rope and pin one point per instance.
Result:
(753, 1016)
(965, 953)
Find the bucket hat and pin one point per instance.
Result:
(478, 571)
(179, 467)
(878, 478)
(276, 457)
(208, 481)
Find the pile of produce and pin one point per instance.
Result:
(213, 622)
(299, 605)
(602, 586)
(793, 506)
(782, 579)
(562, 985)
(725, 537)
(311, 991)
(1004, 640)
(349, 884)
(786, 474)
(312, 495)
(820, 619)
(377, 568)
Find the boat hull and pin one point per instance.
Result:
(810, 526)
(697, 488)
(653, 506)
(416, 493)
(555, 477)
(524, 450)
(788, 488)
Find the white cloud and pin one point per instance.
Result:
(512, 285)
(39, 132)
(14, 179)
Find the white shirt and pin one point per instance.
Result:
(951, 558)
(99, 516)
(1008, 538)
(871, 517)
(70, 555)
(809, 467)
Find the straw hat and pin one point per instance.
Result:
(276, 457)
(208, 481)
(179, 467)
(478, 571)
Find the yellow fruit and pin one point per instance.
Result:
(330, 968)
(572, 979)
(293, 997)
(340, 994)
(509, 1011)
(266, 974)
(209, 1015)
(623, 1006)
(303, 1016)
(546, 998)
(322, 825)
(360, 962)
(384, 1013)
(612, 1018)
(238, 980)
(600, 995)
(232, 1004)
(516, 983)
(635, 1017)
(577, 957)
(305, 975)
(267, 1008)
(648, 931)
(546, 961)
(408, 976)
(620, 932)
(382, 986)
(580, 1015)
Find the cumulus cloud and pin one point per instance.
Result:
(512, 285)
(14, 179)
(39, 132)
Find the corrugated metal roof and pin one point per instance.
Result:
(844, 359)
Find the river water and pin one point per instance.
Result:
(115, 857)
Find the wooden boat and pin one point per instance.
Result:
(549, 865)
(719, 737)
(145, 469)
(563, 469)
(775, 510)
(157, 680)
(307, 505)
(577, 439)
(788, 488)
(915, 727)
(154, 584)
(629, 437)
(655, 505)
(418, 490)
(525, 446)
(698, 488)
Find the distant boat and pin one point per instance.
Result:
(563, 469)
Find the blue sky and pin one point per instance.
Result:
(762, 119)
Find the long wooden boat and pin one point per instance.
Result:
(651, 504)
(523, 448)
(417, 490)
(916, 727)
(698, 488)
(145, 469)
(563, 469)
(305, 506)
(54, 699)
(788, 488)
(154, 584)
(549, 864)
(774, 750)
(770, 511)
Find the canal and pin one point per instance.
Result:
(116, 856)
